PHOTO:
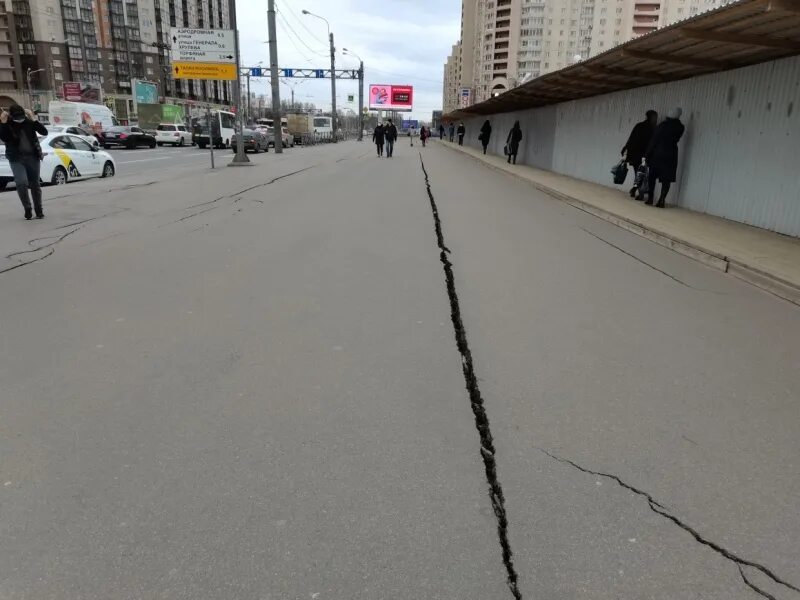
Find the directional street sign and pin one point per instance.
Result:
(197, 70)
(255, 72)
(202, 45)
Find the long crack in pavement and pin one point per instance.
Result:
(476, 400)
(660, 509)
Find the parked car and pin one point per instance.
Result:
(82, 132)
(66, 157)
(170, 133)
(127, 137)
(254, 140)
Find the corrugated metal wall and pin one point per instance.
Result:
(739, 157)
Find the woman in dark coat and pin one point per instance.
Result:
(637, 145)
(513, 140)
(486, 132)
(377, 137)
(662, 155)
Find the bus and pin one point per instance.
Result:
(222, 128)
(323, 127)
(269, 121)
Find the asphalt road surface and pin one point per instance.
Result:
(324, 377)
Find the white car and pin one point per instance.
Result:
(66, 157)
(81, 132)
(171, 133)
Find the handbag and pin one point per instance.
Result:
(505, 150)
(620, 172)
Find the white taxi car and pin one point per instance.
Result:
(66, 157)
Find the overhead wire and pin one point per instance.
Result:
(302, 41)
(302, 23)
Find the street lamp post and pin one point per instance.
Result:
(29, 73)
(334, 118)
(360, 93)
(293, 85)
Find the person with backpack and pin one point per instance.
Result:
(486, 132)
(512, 142)
(18, 129)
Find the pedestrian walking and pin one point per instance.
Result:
(390, 133)
(486, 132)
(441, 131)
(662, 155)
(451, 131)
(636, 146)
(18, 129)
(461, 131)
(512, 142)
(411, 133)
(424, 134)
(378, 138)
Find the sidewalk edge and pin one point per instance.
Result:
(766, 281)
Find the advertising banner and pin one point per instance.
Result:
(465, 97)
(76, 91)
(145, 92)
(391, 97)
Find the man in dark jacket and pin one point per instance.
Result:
(461, 131)
(441, 131)
(18, 129)
(377, 137)
(662, 155)
(637, 144)
(451, 131)
(390, 131)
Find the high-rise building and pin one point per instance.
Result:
(507, 42)
(109, 43)
(10, 72)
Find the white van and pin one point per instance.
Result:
(96, 117)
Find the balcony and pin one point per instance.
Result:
(646, 8)
(504, 14)
(501, 35)
(505, 24)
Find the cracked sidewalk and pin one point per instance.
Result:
(766, 259)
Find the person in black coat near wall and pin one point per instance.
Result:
(461, 131)
(377, 137)
(662, 155)
(512, 142)
(486, 133)
(637, 144)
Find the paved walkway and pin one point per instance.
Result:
(766, 259)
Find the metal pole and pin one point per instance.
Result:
(30, 92)
(210, 139)
(240, 158)
(277, 130)
(361, 102)
(249, 118)
(333, 88)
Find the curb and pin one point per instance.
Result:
(775, 285)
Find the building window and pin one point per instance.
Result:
(58, 77)
(55, 50)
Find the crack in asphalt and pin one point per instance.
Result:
(254, 187)
(199, 212)
(633, 256)
(660, 509)
(476, 400)
(111, 214)
(56, 239)
(22, 264)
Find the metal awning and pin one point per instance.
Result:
(742, 33)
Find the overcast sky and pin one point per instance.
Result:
(400, 41)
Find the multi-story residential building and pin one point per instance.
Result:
(108, 43)
(507, 42)
(10, 72)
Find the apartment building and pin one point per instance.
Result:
(504, 43)
(10, 72)
(107, 44)
(452, 79)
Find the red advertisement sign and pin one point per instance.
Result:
(72, 91)
(391, 97)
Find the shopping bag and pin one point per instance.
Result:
(620, 171)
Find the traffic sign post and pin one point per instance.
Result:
(202, 45)
(198, 70)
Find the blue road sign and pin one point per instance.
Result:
(319, 73)
(287, 72)
(255, 72)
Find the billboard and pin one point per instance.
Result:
(76, 91)
(391, 97)
(145, 92)
(465, 96)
